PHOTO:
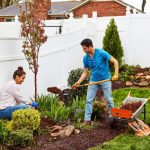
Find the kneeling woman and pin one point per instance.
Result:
(10, 97)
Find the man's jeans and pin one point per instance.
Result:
(91, 93)
(7, 112)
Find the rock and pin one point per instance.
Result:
(62, 133)
(136, 82)
(140, 74)
(55, 134)
(142, 77)
(69, 130)
(148, 77)
(129, 83)
(77, 131)
(56, 129)
(137, 77)
(143, 83)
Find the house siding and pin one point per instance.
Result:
(108, 8)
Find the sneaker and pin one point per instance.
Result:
(86, 123)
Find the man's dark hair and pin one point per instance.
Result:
(87, 42)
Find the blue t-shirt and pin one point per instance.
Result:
(98, 65)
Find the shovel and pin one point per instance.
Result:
(56, 90)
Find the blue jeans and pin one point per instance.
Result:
(7, 112)
(91, 93)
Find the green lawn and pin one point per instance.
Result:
(129, 141)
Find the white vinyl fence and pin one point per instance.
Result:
(62, 52)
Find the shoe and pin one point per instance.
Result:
(85, 123)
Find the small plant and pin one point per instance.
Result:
(26, 118)
(21, 137)
(74, 75)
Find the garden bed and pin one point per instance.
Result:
(82, 141)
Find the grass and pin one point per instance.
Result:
(126, 142)
(129, 141)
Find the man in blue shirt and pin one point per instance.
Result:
(97, 61)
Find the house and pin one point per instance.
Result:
(62, 9)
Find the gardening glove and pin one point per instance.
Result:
(115, 77)
(75, 86)
(35, 105)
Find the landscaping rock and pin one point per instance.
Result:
(129, 83)
(148, 77)
(69, 130)
(136, 82)
(140, 74)
(143, 83)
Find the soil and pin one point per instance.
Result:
(82, 141)
(132, 106)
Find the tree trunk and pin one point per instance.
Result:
(35, 85)
(143, 5)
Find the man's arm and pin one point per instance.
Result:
(82, 77)
(116, 67)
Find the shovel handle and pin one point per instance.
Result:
(93, 83)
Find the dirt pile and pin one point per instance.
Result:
(131, 106)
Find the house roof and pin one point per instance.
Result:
(57, 8)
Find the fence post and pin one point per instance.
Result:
(128, 11)
(94, 16)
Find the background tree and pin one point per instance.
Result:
(6, 3)
(112, 42)
(33, 32)
(143, 5)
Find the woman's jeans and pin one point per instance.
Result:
(91, 93)
(7, 112)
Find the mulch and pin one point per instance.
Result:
(84, 140)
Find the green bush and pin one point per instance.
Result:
(3, 131)
(26, 118)
(127, 72)
(112, 42)
(74, 76)
(21, 137)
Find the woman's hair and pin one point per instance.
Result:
(19, 72)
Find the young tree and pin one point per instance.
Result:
(33, 33)
(112, 42)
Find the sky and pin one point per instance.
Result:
(135, 3)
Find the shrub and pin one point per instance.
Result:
(112, 42)
(26, 118)
(127, 72)
(3, 131)
(21, 137)
(74, 75)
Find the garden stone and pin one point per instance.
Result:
(77, 131)
(69, 130)
(129, 83)
(140, 74)
(136, 82)
(62, 133)
(143, 77)
(143, 83)
(148, 77)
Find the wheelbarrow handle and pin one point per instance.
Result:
(93, 83)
